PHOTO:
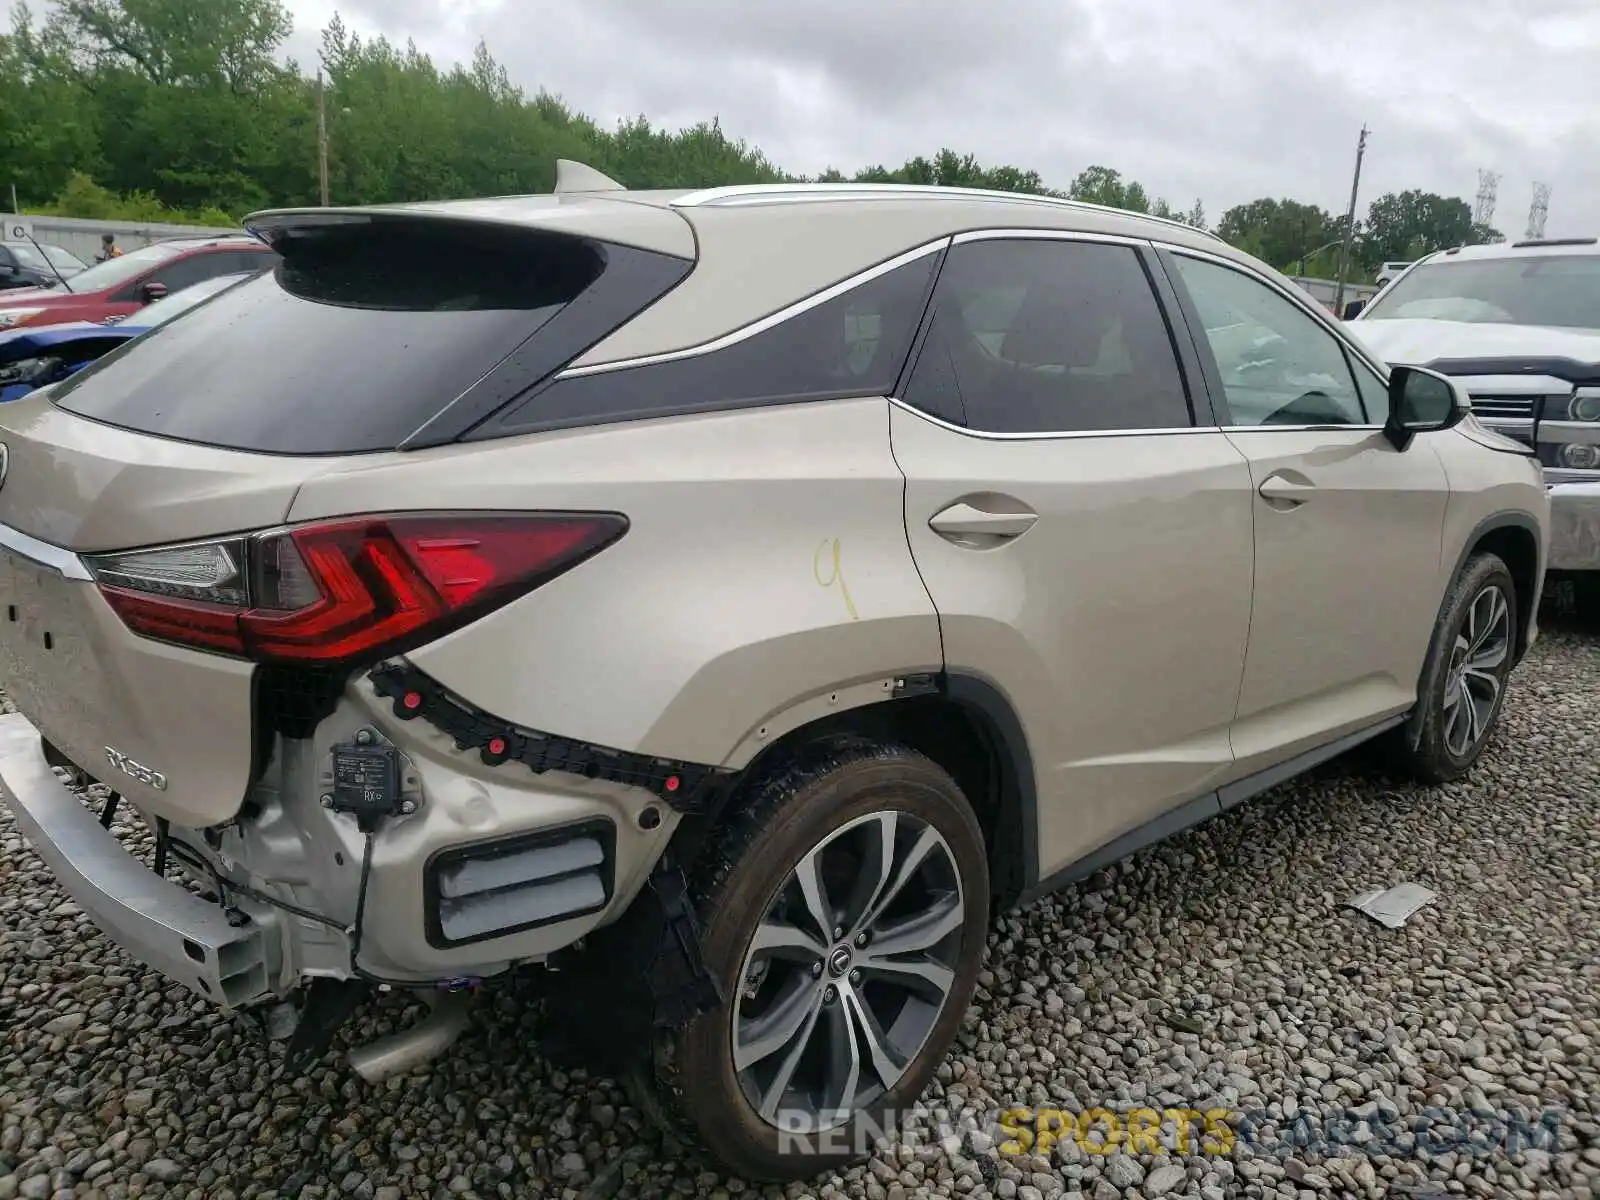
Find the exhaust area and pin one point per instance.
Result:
(420, 1043)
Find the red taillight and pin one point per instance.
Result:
(344, 590)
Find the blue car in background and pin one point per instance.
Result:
(32, 358)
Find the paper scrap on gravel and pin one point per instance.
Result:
(1393, 906)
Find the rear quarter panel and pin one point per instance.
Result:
(721, 614)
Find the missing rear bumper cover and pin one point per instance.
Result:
(688, 788)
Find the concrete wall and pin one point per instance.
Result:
(1324, 290)
(82, 237)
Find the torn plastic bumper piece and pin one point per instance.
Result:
(640, 974)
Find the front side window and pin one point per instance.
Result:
(1562, 290)
(1278, 365)
(1036, 336)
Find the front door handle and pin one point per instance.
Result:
(1282, 491)
(979, 528)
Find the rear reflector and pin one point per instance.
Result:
(343, 591)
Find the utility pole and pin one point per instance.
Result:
(14, 207)
(1349, 226)
(322, 141)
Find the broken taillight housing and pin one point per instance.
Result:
(336, 592)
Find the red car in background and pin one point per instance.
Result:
(124, 285)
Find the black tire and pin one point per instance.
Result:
(1428, 747)
(695, 1087)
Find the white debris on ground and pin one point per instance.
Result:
(1393, 906)
(1223, 970)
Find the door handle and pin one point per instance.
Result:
(1280, 491)
(966, 524)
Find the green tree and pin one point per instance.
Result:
(157, 108)
(1280, 232)
(1102, 185)
(1406, 225)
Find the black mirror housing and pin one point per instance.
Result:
(153, 290)
(1420, 401)
(1353, 309)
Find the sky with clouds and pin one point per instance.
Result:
(1224, 100)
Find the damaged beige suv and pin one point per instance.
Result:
(728, 598)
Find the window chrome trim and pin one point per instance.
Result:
(1052, 436)
(1296, 296)
(1363, 428)
(761, 325)
(63, 562)
(1059, 435)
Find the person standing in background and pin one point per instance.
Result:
(108, 248)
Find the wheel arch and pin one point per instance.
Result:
(966, 725)
(1514, 538)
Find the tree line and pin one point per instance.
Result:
(183, 110)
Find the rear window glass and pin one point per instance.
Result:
(361, 334)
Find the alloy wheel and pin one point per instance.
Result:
(848, 971)
(1478, 663)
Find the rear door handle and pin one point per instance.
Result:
(1281, 491)
(966, 524)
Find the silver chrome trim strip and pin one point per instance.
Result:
(1302, 428)
(64, 562)
(1513, 385)
(788, 193)
(1570, 433)
(1043, 437)
(765, 323)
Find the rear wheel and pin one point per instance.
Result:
(1464, 680)
(845, 910)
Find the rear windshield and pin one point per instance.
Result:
(361, 334)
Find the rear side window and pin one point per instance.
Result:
(365, 332)
(853, 344)
(1033, 336)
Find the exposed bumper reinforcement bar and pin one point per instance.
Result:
(161, 924)
(1575, 527)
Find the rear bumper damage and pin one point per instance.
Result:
(156, 921)
(284, 887)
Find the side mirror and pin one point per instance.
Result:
(1420, 401)
(152, 291)
(1352, 309)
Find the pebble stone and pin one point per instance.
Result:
(1218, 971)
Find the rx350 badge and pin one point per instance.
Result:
(136, 770)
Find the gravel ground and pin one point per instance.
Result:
(1219, 971)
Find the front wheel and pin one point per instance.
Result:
(1464, 679)
(845, 910)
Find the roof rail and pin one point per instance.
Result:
(781, 193)
(1566, 241)
(574, 177)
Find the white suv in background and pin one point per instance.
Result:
(1518, 324)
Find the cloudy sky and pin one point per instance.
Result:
(1223, 100)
